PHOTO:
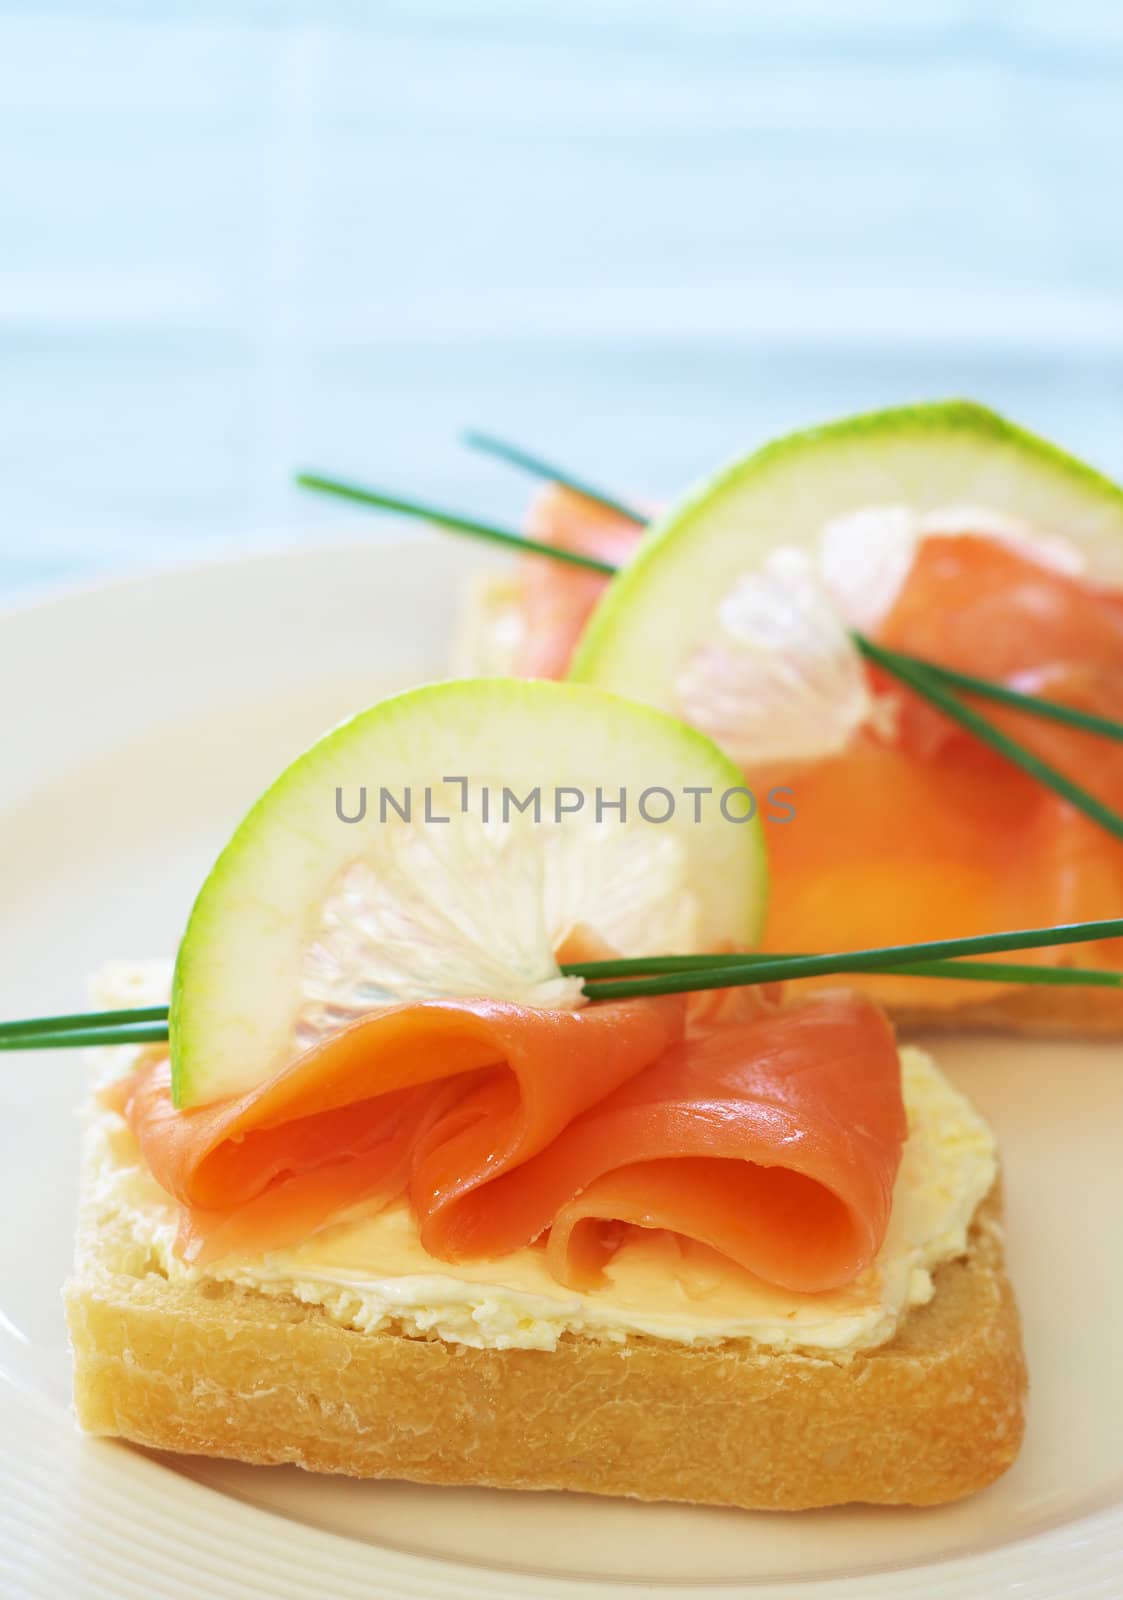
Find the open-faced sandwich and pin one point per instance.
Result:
(941, 533)
(417, 1192)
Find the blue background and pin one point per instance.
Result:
(238, 238)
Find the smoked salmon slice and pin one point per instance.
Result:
(506, 1080)
(556, 601)
(982, 607)
(774, 1138)
(929, 834)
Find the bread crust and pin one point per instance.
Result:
(219, 1370)
(1041, 1010)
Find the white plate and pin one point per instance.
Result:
(139, 720)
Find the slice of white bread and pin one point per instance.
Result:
(216, 1369)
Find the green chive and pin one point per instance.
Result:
(1033, 705)
(448, 519)
(86, 1019)
(680, 975)
(539, 468)
(732, 971)
(924, 682)
(75, 1038)
(970, 971)
(1009, 972)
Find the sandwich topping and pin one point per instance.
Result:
(370, 1268)
(774, 1139)
(928, 830)
(449, 842)
(940, 536)
(373, 1023)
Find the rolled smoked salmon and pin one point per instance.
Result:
(774, 1138)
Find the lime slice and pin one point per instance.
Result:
(445, 843)
(720, 617)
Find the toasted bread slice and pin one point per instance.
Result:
(217, 1369)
